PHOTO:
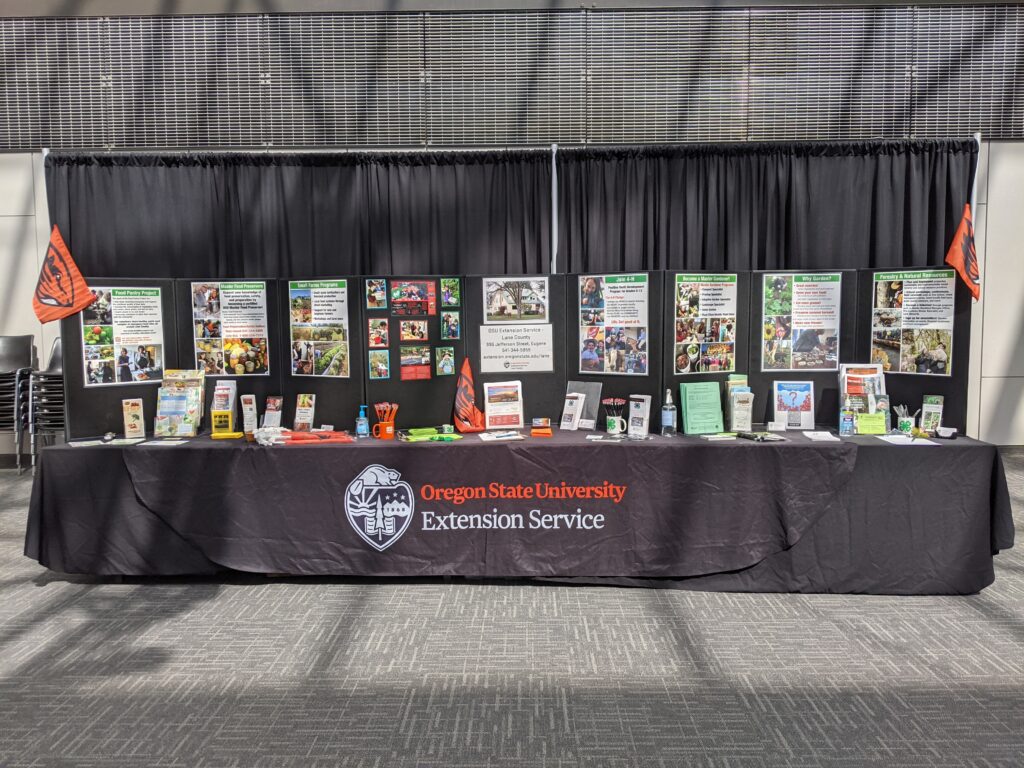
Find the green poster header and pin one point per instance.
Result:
(127, 292)
(243, 286)
(829, 278)
(625, 278)
(299, 285)
(705, 278)
(931, 274)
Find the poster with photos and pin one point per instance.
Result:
(122, 337)
(800, 321)
(413, 297)
(319, 330)
(451, 292)
(912, 321)
(705, 323)
(377, 335)
(444, 361)
(451, 327)
(379, 364)
(515, 300)
(613, 317)
(414, 362)
(377, 293)
(230, 328)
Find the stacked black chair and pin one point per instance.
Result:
(16, 359)
(46, 402)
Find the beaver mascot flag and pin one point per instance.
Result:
(61, 290)
(468, 417)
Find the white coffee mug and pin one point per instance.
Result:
(614, 425)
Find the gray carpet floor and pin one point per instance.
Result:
(255, 672)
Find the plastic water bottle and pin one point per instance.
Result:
(668, 415)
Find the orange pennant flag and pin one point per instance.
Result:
(61, 290)
(467, 416)
(963, 257)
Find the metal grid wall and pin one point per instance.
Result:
(513, 78)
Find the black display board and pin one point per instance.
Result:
(543, 392)
(422, 402)
(620, 385)
(743, 329)
(337, 398)
(826, 383)
(259, 385)
(909, 388)
(93, 411)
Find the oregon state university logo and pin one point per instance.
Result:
(379, 506)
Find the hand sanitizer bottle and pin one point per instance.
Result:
(668, 415)
(362, 423)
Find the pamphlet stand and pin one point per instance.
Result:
(93, 411)
(909, 388)
(826, 382)
(543, 392)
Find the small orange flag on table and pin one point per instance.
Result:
(963, 257)
(468, 417)
(61, 290)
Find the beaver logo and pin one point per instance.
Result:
(379, 506)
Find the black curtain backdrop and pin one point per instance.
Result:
(762, 206)
(303, 215)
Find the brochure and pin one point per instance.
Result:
(931, 412)
(272, 414)
(741, 410)
(794, 404)
(122, 337)
(305, 405)
(705, 323)
(503, 405)
(613, 324)
(800, 321)
(639, 422)
(572, 410)
(134, 423)
(249, 414)
(912, 321)
(701, 404)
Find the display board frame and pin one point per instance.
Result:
(826, 382)
(543, 391)
(909, 388)
(621, 385)
(422, 403)
(93, 411)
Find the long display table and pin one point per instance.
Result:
(853, 516)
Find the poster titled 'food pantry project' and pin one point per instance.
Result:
(912, 321)
(123, 337)
(318, 318)
(705, 324)
(613, 324)
(801, 321)
(230, 328)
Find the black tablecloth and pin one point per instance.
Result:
(853, 516)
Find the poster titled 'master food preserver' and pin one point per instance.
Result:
(613, 311)
(230, 328)
(123, 337)
(318, 319)
(705, 323)
(912, 321)
(800, 321)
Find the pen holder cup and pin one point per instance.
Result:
(384, 430)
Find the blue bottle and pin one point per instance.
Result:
(362, 423)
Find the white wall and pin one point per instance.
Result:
(996, 398)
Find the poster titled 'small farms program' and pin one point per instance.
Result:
(318, 321)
